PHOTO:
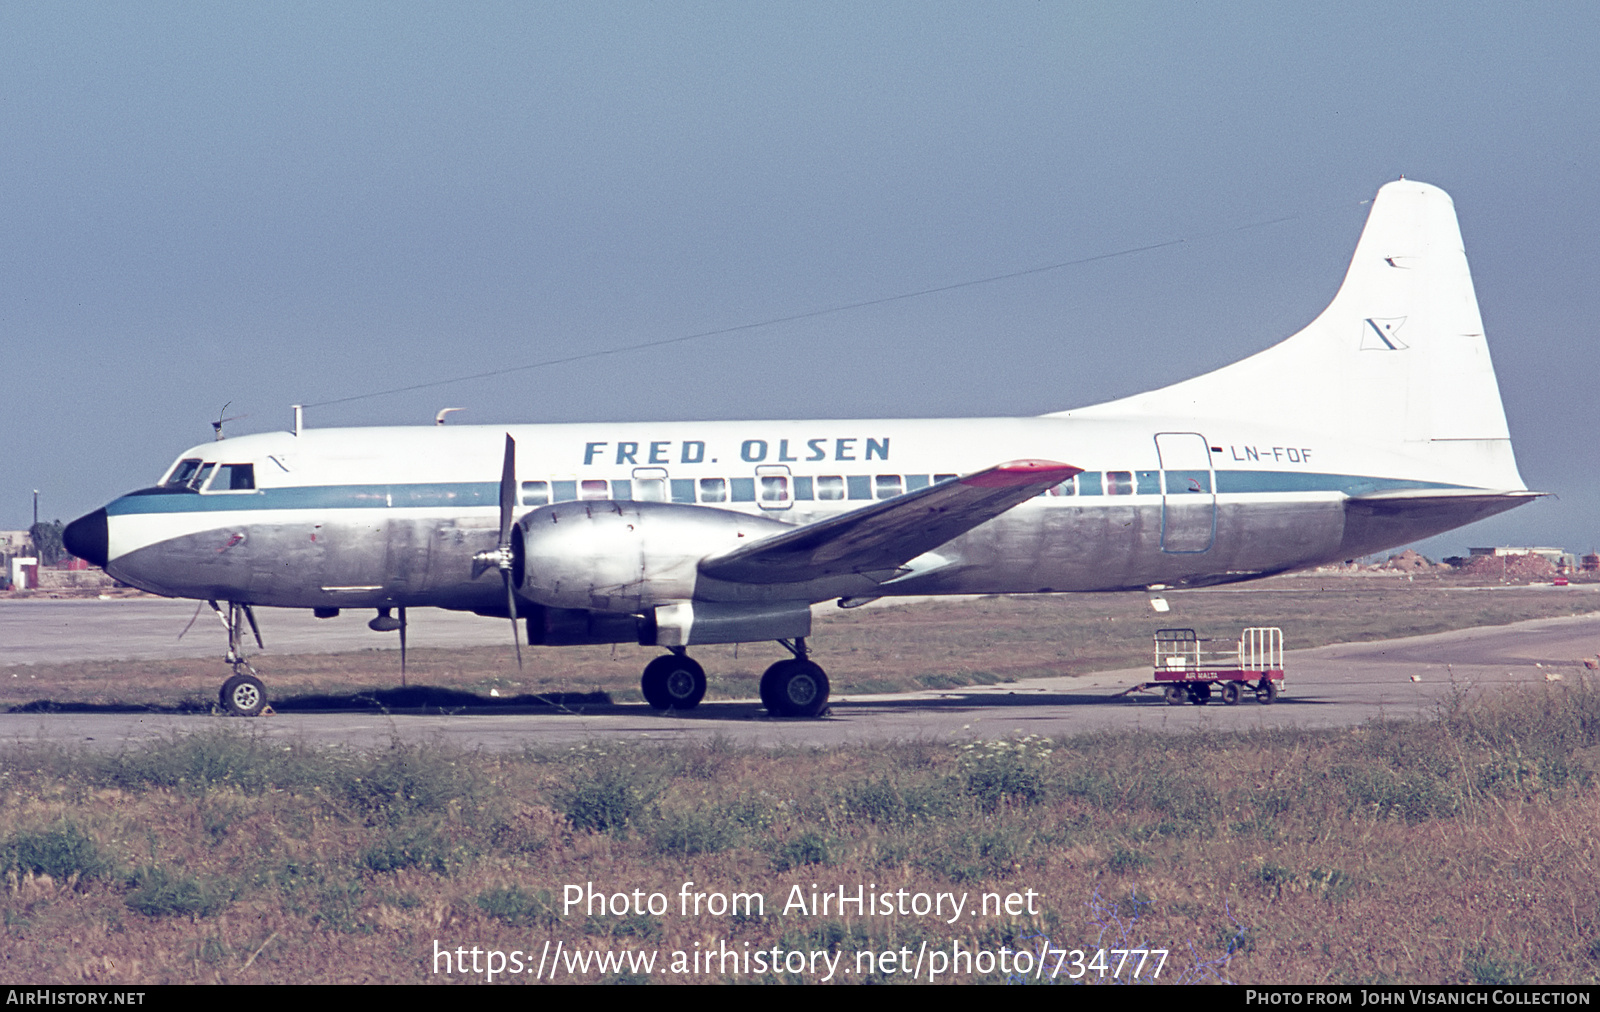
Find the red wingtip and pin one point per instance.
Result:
(1022, 472)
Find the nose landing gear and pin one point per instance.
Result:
(242, 695)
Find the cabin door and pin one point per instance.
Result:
(1188, 493)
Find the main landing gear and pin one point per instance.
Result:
(242, 695)
(797, 687)
(673, 682)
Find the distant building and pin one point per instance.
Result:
(1562, 560)
(20, 569)
(13, 545)
(23, 572)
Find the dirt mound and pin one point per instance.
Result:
(1511, 567)
(1408, 561)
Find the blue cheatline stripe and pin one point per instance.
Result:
(487, 493)
(475, 493)
(1297, 481)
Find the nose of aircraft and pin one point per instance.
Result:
(87, 537)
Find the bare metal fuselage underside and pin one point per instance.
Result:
(384, 557)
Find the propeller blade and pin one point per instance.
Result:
(508, 491)
(501, 555)
(508, 505)
(511, 606)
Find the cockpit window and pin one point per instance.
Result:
(200, 476)
(183, 471)
(234, 478)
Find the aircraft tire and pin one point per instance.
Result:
(1231, 694)
(1267, 692)
(794, 688)
(243, 696)
(673, 683)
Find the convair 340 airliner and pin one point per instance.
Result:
(1378, 424)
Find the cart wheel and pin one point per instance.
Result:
(1176, 696)
(1200, 693)
(1266, 692)
(1231, 693)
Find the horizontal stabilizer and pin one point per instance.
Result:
(1468, 505)
(880, 538)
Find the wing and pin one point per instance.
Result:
(884, 536)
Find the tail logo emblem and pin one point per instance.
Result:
(1379, 335)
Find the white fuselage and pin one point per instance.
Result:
(393, 516)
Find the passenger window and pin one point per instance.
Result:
(774, 488)
(650, 484)
(943, 477)
(1149, 482)
(1089, 483)
(916, 481)
(651, 489)
(595, 488)
(683, 490)
(564, 491)
(713, 490)
(830, 487)
(1188, 481)
(1067, 487)
(860, 485)
(622, 490)
(744, 489)
(535, 493)
(889, 486)
(1119, 483)
(802, 490)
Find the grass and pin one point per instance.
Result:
(1460, 849)
(518, 907)
(163, 892)
(62, 851)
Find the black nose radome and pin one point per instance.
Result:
(87, 537)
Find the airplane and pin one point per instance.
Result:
(1378, 424)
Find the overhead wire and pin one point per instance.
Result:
(814, 313)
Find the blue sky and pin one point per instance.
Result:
(272, 204)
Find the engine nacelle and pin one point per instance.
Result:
(570, 627)
(623, 556)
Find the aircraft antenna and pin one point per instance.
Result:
(216, 426)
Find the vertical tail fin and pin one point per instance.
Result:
(1397, 360)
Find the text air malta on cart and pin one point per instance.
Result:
(1186, 671)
